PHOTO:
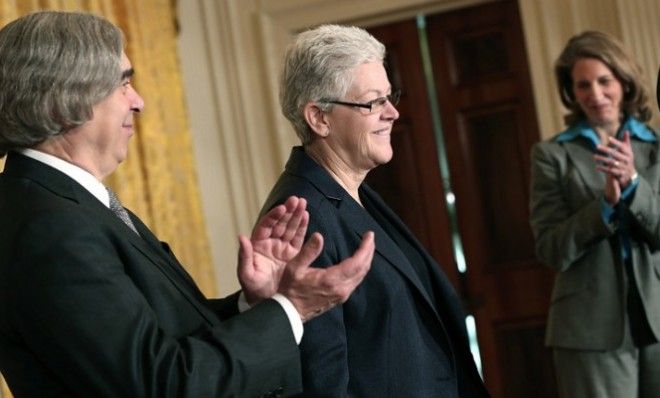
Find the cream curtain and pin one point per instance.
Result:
(158, 181)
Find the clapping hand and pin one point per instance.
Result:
(316, 290)
(276, 239)
(274, 260)
(617, 160)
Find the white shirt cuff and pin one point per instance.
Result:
(242, 303)
(287, 306)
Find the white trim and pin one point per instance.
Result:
(231, 52)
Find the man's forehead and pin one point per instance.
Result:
(125, 62)
(126, 67)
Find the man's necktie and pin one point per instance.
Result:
(118, 209)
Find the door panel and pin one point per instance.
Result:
(410, 182)
(493, 151)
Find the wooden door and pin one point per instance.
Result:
(411, 182)
(489, 123)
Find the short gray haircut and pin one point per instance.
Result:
(54, 67)
(317, 66)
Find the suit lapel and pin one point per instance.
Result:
(581, 157)
(445, 295)
(362, 222)
(61, 185)
(646, 161)
(160, 254)
(356, 216)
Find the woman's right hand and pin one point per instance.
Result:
(617, 161)
(612, 189)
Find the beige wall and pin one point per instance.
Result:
(231, 50)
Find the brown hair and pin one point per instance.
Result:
(608, 50)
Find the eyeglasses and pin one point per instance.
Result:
(373, 106)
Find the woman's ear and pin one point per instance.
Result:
(316, 119)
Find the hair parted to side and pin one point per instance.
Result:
(317, 67)
(608, 50)
(54, 66)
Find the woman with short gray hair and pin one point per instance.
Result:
(318, 66)
(401, 334)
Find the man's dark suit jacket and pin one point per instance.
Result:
(90, 309)
(391, 338)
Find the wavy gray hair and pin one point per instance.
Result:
(54, 66)
(317, 67)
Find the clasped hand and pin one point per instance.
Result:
(275, 260)
(617, 161)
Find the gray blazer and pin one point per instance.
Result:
(587, 307)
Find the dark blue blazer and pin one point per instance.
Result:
(90, 309)
(391, 338)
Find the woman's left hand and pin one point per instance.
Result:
(617, 159)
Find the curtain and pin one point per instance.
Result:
(158, 180)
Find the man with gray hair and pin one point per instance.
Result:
(91, 303)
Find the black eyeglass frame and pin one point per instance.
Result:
(393, 99)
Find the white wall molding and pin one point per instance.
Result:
(231, 52)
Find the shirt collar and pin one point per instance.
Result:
(81, 176)
(637, 129)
